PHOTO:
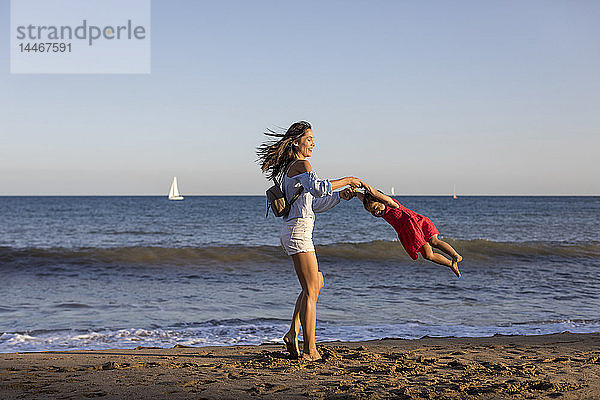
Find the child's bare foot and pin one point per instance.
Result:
(455, 260)
(311, 357)
(291, 344)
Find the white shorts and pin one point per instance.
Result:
(296, 235)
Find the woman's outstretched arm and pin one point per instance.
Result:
(322, 204)
(347, 181)
(303, 166)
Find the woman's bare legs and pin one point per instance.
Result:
(428, 254)
(305, 313)
(291, 337)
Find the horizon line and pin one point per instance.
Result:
(262, 195)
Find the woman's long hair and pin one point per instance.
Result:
(275, 155)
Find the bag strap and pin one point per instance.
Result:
(295, 197)
(300, 189)
(267, 214)
(288, 168)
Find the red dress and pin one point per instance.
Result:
(414, 230)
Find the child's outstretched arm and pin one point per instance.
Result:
(385, 199)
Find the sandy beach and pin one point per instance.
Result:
(565, 366)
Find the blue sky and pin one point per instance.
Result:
(497, 97)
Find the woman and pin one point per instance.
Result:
(285, 160)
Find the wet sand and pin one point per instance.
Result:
(560, 366)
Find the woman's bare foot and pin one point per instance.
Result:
(291, 344)
(455, 260)
(311, 357)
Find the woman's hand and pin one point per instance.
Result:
(354, 182)
(347, 194)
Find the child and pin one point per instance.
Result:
(416, 232)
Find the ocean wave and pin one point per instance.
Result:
(140, 255)
(255, 332)
(474, 250)
(471, 249)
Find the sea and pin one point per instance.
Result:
(122, 272)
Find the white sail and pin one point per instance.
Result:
(174, 191)
(175, 187)
(393, 193)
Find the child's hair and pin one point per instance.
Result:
(368, 198)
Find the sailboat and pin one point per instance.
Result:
(174, 192)
(454, 196)
(393, 192)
